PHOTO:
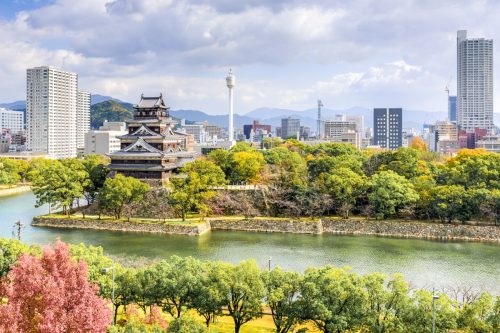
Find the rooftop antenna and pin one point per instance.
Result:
(320, 105)
(447, 90)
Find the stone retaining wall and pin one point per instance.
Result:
(121, 226)
(290, 226)
(391, 228)
(413, 230)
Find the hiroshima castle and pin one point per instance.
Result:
(151, 150)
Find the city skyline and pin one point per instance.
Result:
(358, 53)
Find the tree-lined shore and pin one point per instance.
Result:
(185, 293)
(293, 180)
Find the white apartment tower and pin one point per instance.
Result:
(474, 82)
(82, 117)
(55, 112)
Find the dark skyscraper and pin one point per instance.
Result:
(388, 127)
(452, 108)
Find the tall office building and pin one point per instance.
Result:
(51, 109)
(388, 127)
(290, 128)
(474, 82)
(82, 117)
(452, 108)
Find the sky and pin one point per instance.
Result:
(284, 53)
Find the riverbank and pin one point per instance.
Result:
(14, 190)
(388, 228)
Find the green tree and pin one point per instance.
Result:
(173, 284)
(244, 293)
(449, 202)
(390, 193)
(209, 299)
(194, 190)
(333, 299)
(287, 167)
(120, 191)
(59, 183)
(10, 250)
(185, 324)
(386, 302)
(282, 291)
(345, 187)
(418, 317)
(246, 166)
(476, 316)
(97, 171)
(9, 172)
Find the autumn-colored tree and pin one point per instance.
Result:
(419, 144)
(51, 294)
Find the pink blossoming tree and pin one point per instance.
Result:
(51, 294)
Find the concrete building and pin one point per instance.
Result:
(474, 82)
(388, 127)
(51, 103)
(214, 132)
(490, 143)
(247, 129)
(105, 140)
(82, 117)
(452, 108)
(290, 128)
(197, 131)
(344, 129)
(11, 120)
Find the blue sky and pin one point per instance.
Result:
(285, 53)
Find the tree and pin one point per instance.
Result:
(10, 250)
(287, 167)
(345, 187)
(51, 294)
(390, 193)
(58, 183)
(120, 191)
(476, 316)
(386, 303)
(9, 172)
(185, 324)
(246, 166)
(450, 202)
(194, 191)
(244, 292)
(210, 298)
(333, 299)
(97, 171)
(419, 316)
(282, 291)
(419, 144)
(173, 284)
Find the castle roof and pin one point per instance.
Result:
(151, 102)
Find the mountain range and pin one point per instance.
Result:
(112, 109)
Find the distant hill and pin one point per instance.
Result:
(17, 105)
(109, 110)
(95, 99)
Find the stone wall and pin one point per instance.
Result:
(391, 228)
(121, 226)
(413, 230)
(288, 226)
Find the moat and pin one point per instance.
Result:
(425, 263)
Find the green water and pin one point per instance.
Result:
(426, 264)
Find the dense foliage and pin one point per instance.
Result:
(331, 299)
(287, 179)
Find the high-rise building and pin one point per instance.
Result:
(388, 127)
(82, 117)
(345, 129)
(452, 108)
(290, 128)
(11, 120)
(474, 82)
(51, 103)
(247, 129)
(197, 131)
